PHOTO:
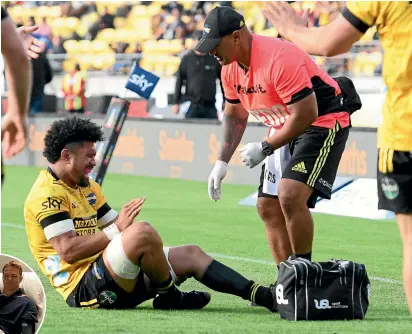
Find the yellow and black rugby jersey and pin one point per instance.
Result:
(393, 20)
(53, 208)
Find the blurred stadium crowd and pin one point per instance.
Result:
(110, 36)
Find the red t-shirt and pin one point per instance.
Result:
(281, 74)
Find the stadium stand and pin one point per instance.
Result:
(109, 36)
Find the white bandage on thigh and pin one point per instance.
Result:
(273, 170)
(118, 260)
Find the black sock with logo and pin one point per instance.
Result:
(261, 295)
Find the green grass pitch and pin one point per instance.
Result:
(183, 214)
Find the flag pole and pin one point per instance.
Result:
(123, 96)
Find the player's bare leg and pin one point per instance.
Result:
(405, 227)
(270, 212)
(293, 197)
(140, 246)
(192, 261)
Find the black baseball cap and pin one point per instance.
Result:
(220, 22)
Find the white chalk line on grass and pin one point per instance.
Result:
(20, 227)
(243, 259)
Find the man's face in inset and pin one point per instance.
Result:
(11, 278)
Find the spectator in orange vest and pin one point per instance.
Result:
(74, 87)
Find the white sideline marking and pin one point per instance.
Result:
(13, 226)
(238, 258)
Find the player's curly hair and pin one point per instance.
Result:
(67, 131)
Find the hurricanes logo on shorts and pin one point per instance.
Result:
(300, 167)
(389, 187)
(107, 298)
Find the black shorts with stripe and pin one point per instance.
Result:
(395, 181)
(316, 155)
(97, 289)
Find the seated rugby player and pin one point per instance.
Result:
(95, 257)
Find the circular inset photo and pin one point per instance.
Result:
(22, 297)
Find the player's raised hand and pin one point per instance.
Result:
(13, 134)
(129, 212)
(32, 45)
(215, 179)
(283, 17)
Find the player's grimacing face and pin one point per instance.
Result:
(82, 162)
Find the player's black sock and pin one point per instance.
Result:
(167, 287)
(220, 278)
(307, 256)
(261, 295)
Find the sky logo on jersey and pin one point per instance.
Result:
(91, 198)
(142, 82)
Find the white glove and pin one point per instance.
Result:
(215, 178)
(252, 154)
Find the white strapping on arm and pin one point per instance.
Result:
(58, 228)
